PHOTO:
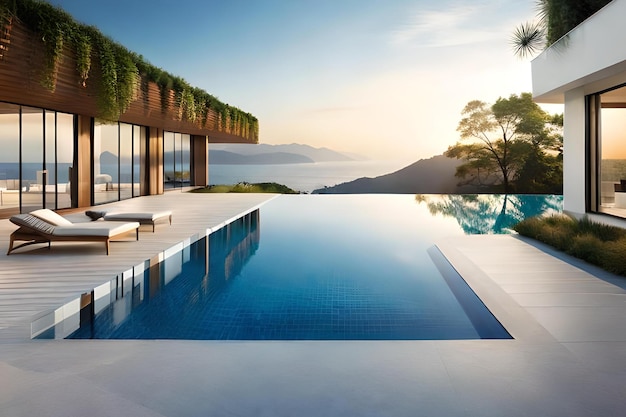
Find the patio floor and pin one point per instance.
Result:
(35, 279)
(567, 358)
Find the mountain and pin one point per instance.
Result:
(108, 158)
(217, 157)
(426, 176)
(315, 154)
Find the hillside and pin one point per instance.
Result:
(426, 176)
(315, 154)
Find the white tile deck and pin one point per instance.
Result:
(35, 279)
(568, 357)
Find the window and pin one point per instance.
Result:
(37, 153)
(139, 137)
(59, 155)
(126, 161)
(105, 162)
(32, 173)
(9, 157)
(176, 160)
(117, 161)
(607, 140)
(64, 158)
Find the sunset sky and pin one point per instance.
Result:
(383, 78)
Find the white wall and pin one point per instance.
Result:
(574, 152)
(589, 59)
(592, 52)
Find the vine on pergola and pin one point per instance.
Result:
(122, 72)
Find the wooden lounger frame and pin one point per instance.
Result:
(32, 237)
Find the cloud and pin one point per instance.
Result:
(454, 26)
(332, 110)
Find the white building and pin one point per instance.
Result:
(586, 71)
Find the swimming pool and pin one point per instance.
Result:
(359, 267)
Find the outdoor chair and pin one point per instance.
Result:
(46, 226)
(142, 218)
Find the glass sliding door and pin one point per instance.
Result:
(609, 146)
(139, 137)
(126, 161)
(185, 160)
(118, 161)
(58, 157)
(105, 162)
(64, 158)
(9, 158)
(50, 157)
(32, 173)
(176, 160)
(37, 149)
(169, 160)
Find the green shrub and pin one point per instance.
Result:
(614, 256)
(557, 230)
(559, 237)
(586, 247)
(590, 241)
(528, 227)
(601, 231)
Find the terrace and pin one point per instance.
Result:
(567, 358)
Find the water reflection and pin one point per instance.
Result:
(330, 268)
(490, 213)
(178, 287)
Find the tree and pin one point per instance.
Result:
(555, 19)
(501, 140)
(489, 213)
(542, 171)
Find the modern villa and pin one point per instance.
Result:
(83, 121)
(586, 70)
(255, 304)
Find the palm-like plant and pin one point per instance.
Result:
(528, 39)
(554, 19)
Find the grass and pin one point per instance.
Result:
(596, 243)
(244, 187)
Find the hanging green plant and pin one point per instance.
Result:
(165, 83)
(82, 44)
(127, 79)
(6, 23)
(203, 110)
(225, 117)
(7, 10)
(107, 96)
(52, 24)
(186, 105)
(122, 72)
(54, 48)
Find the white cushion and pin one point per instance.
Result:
(96, 229)
(51, 217)
(138, 216)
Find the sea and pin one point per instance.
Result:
(303, 177)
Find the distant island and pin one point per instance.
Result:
(426, 176)
(263, 154)
(435, 175)
(272, 158)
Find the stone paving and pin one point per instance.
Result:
(567, 358)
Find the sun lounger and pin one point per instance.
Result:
(142, 218)
(35, 229)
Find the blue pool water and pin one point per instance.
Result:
(359, 267)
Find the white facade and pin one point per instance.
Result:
(591, 56)
(590, 59)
